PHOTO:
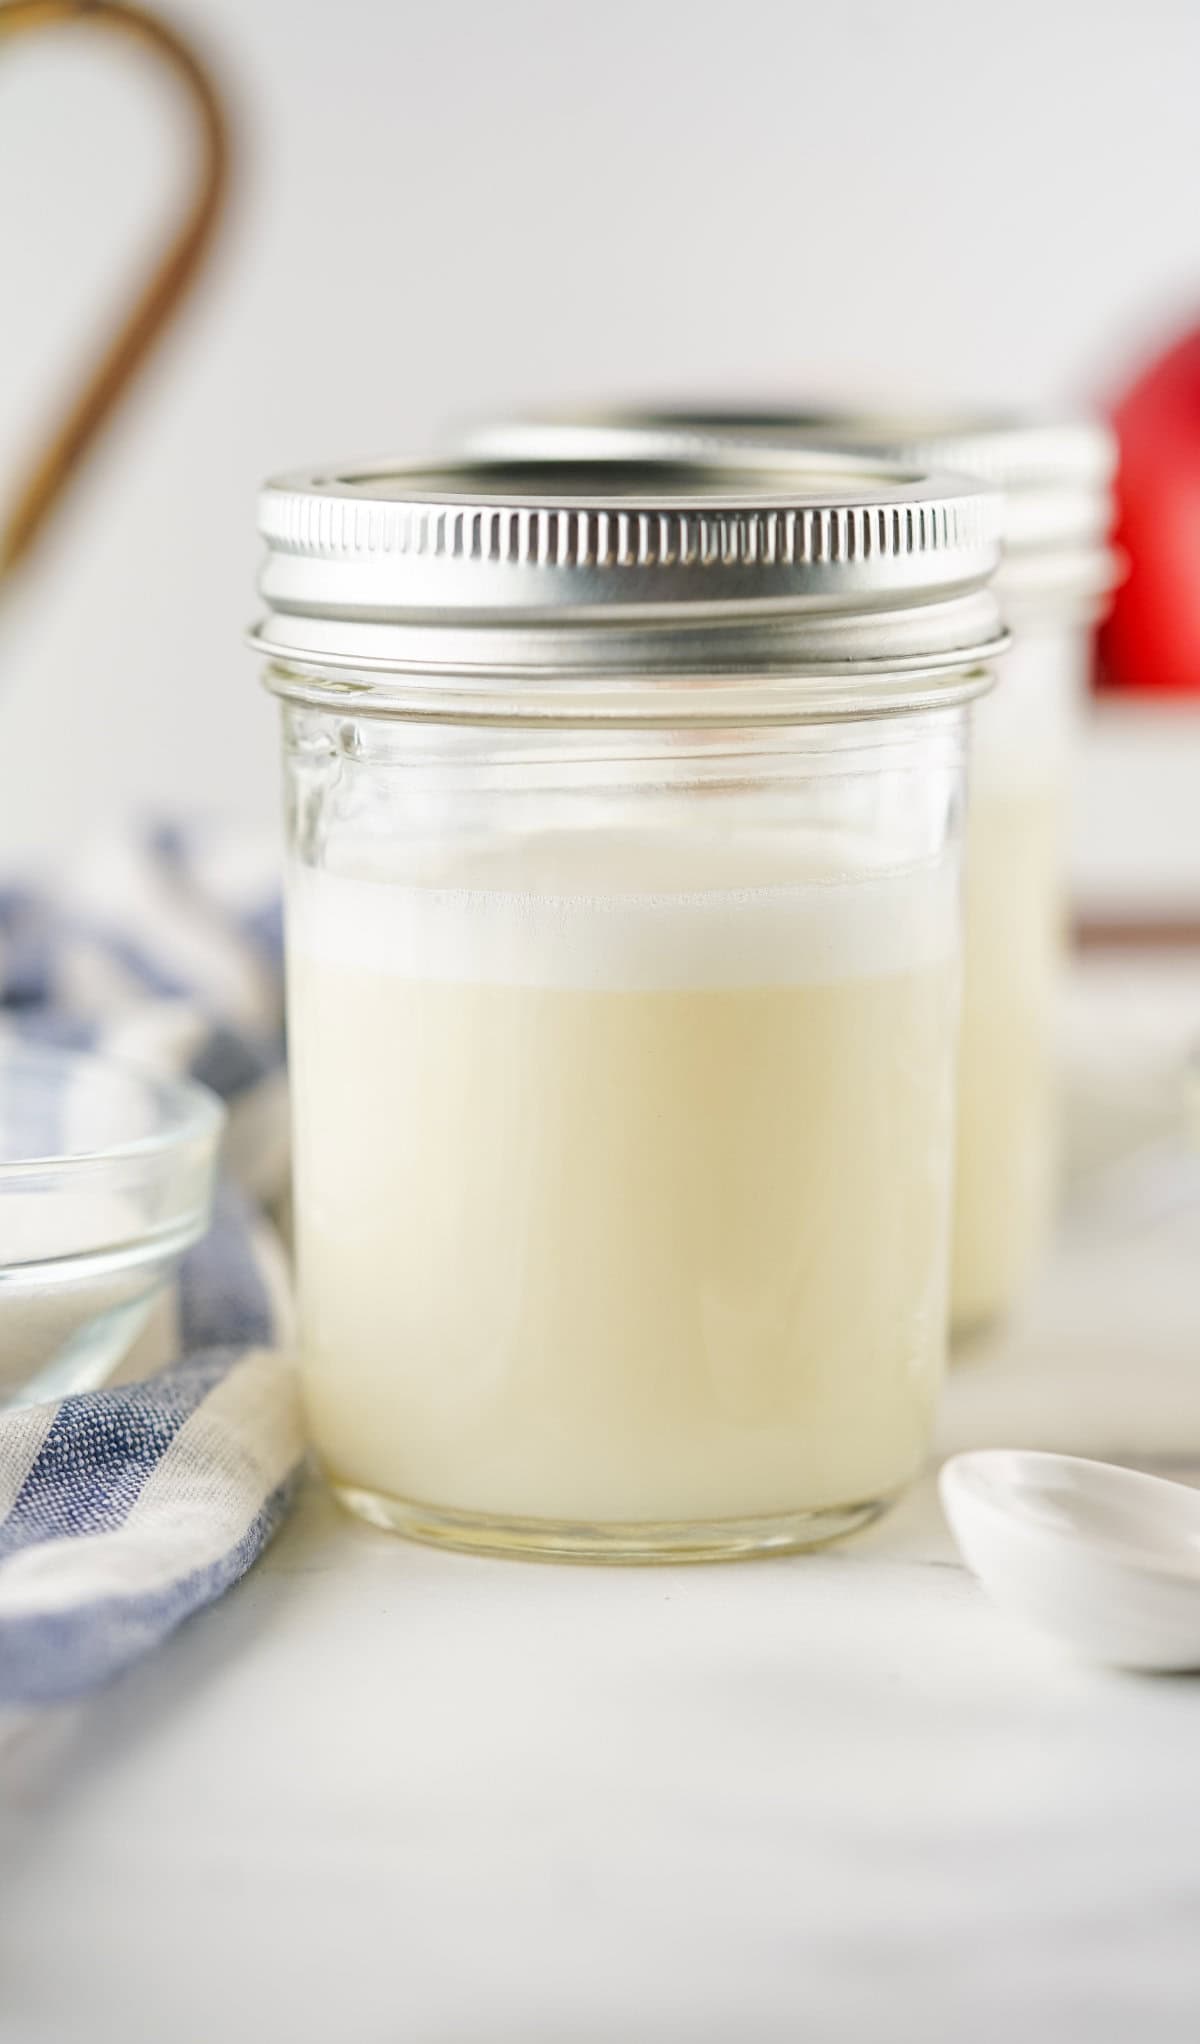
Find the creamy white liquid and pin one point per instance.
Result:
(1006, 1149)
(56, 1305)
(622, 1195)
(1007, 1122)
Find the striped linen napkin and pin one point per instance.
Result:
(125, 1510)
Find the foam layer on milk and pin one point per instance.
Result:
(597, 912)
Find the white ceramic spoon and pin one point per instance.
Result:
(1105, 1558)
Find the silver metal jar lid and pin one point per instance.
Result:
(1056, 473)
(647, 589)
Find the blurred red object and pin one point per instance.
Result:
(1151, 642)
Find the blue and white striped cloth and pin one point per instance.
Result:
(125, 1510)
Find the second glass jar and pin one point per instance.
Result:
(1055, 476)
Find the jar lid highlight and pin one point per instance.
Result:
(1056, 473)
(468, 572)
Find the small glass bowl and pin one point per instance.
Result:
(106, 1177)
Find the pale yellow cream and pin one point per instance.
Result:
(623, 1195)
(1006, 1150)
(1007, 1120)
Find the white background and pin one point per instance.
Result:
(444, 209)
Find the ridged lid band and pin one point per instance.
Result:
(522, 573)
(1056, 473)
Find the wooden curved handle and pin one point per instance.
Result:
(117, 366)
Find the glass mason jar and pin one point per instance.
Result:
(1056, 478)
(623, 952)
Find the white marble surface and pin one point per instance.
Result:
(386, 1794)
